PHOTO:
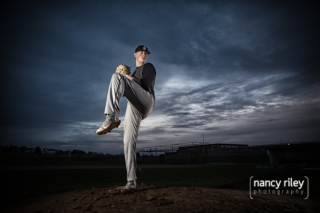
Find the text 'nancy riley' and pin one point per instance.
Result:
(277, 184)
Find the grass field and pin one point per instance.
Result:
(19, 159)
(19, 184)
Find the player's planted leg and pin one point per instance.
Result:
(130, 185)
(131, 127)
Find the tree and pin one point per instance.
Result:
(13, 149)
(6, 149)
(138, 154)
(22, 149)
(37, 150)
(78, 152)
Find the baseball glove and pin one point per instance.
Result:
(123, 69)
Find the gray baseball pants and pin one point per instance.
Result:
(140, 104)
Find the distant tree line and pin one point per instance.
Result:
(37, 150)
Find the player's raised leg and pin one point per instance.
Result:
(112, 110)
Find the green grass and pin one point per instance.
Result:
(19, 159)
(20, 184)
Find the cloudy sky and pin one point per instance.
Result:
(236, 71)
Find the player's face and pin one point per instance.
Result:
(141, 56)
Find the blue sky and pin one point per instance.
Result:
(244, 72)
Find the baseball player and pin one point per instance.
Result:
(138, 89)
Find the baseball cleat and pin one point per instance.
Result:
(109, 124)
(130, 185)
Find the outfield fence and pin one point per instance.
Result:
(169, 158)
(205, 158)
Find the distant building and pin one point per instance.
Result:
(296, 152)
(29, 150)
(49, 151)
(212, 148)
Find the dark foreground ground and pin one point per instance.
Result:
(211, 188)
(154, 198)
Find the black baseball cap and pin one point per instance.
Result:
(142, 48)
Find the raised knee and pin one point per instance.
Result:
(117, 76)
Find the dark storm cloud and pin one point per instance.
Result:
(57, 62)
(295, 123)
(255, 38)
(58, 58)
(289, 130)
(241, 95)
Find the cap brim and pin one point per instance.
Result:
(143, 50)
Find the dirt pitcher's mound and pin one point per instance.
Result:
(150, 198)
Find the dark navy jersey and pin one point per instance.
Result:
(147, 75)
